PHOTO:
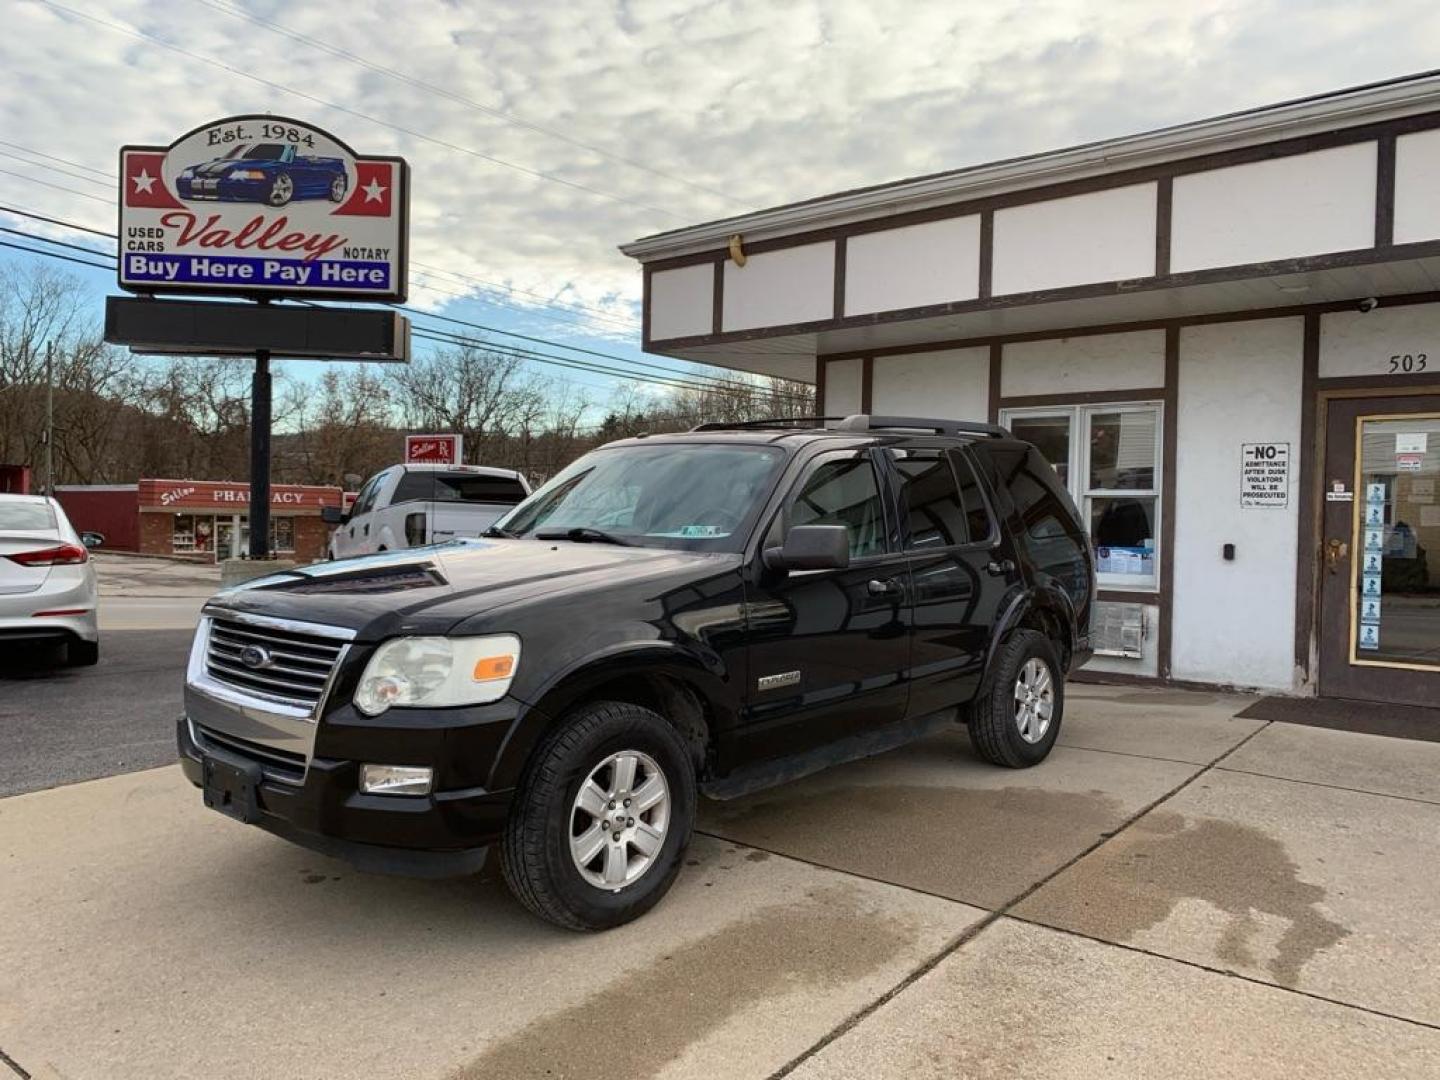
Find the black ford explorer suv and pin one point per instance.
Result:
(710, 612)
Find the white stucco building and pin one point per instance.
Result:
(1202, 327)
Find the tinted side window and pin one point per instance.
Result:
(366, 497)
(843, 491)
(930, 500)
(972, 501)
(1051, 527)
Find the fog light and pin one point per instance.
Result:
(395, 780)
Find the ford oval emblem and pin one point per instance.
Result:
(255, 656)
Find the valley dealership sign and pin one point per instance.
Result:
(261, 206)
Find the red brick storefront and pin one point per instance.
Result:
(204, 518)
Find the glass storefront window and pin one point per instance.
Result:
(1397, 607)
(1051, 436)
(282, 534)
(1115, 454)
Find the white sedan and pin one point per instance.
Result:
(48, 592)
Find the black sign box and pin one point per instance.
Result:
(203, 328)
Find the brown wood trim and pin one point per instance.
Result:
(867, 384)
(1164, 212)
(1307, 499)
(1327, 140)
(841, 254)
(717, 303)
(1123, 678)
(820, 364)
(997, 370)
(1382, 383)
(1082, 397)
(1169, 454)
(1136, 326)
(987, 254)
(1124, 596)
(645, 306)
(1385, 192)
(1100, 289)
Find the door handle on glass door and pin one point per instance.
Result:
(1335, 551)
(1000, 566)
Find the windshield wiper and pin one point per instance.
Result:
(495, 530)
(582, 534)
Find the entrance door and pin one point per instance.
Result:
(1380, 551)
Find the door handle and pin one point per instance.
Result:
(888, 587)
(1000, 566)
(1335, 551)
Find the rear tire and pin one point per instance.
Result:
(1016, 719)
(547, 831)
(82, 654)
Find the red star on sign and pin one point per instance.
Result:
(373, 195)
(143, 181)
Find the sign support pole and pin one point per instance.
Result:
(260, 456)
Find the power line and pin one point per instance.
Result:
(461, 99)
(57, 187)
(401, 129)
(57, 243)
(470, 324)
(54, 168)
(55, 255)
(57, 221)
(449, 337)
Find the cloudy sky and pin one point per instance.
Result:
(541, 135)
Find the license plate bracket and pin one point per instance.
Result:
(231, 786)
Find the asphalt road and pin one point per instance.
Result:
(63, 725)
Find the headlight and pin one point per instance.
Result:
(437, 671)
(247, 174)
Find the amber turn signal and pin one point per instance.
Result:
(489, 668)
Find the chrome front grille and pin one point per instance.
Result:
(290, 665)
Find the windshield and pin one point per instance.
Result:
(265, 152)
(695, 496)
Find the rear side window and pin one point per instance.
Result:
(459, 488)
(26, 515)
(941, 499)
(930, 500)
(1051, 527)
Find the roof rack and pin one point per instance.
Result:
(773, 422)
(862, 422)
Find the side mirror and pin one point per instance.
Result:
(811, 547)
(92, 539)
(333, 515)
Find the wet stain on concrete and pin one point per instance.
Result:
(757, 856)
(979, 846)
(635, 1025)
(1164, 859)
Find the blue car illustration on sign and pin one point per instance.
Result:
(269, 173)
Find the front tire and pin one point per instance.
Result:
(337, 189)
(602, 818)
(1016, 720)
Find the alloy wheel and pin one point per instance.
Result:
(1034, 700)
(619, 820)
(281, 190)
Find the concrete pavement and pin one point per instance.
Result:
(1175, 892)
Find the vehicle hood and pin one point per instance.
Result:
(429, 590)
(222, 167)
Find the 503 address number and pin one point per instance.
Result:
(1408, 363)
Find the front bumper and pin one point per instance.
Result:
(318, 804)
(222, 189)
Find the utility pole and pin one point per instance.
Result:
(49, 418)
(260, 457)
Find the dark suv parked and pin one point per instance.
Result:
(710, 612)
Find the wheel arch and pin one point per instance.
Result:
(656, 676)
(1046, 610)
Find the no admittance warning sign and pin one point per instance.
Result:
(1265, 475)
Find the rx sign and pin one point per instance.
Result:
(261, 206)
(433, 449)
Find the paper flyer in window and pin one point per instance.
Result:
(1369, 636)
(1370, 610)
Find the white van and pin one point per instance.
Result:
(409, 506)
